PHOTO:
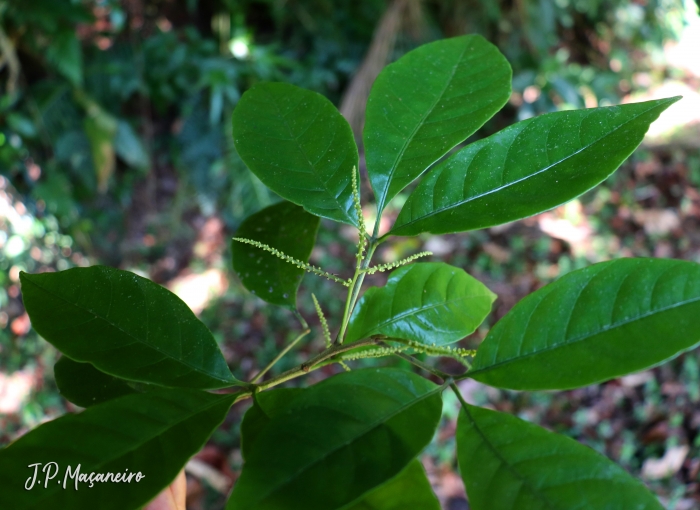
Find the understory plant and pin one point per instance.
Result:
(142, 364)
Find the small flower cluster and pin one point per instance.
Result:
(360, 217)
(324, 323)
(326, 331)
(292, 260)
(392, 265)
(443, 350)
(458, 353)
(374, 353)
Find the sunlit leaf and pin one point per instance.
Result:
(429, 302)
(527, 168)
(427, 102)
(300, 146)
(125, 325)
(594, 324)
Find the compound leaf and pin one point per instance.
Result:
(409, 489)
(153, 433)
(425, 103)
(338, 440)
(527, 168)
(594, 324)
(84, 385)
(300, 146)
(125, 325)
(287, 228)
(428, 302)
(507, 463)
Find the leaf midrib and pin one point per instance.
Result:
(512, 469)
(416, 311)
(515, 182)
(399, 156)
(587, 336)
(368, 428)
(308, 160)
(140, 341)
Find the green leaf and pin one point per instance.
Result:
(427, 102)
(338, 440)
(125, 325)
(154, 433)
(428, 302)
(266, 406)
(300, 146)
(508, 464)
(84, 385)
(594, 324)
(65, 55)
(129, 147)
(527, 168)
(409, 489)
(289, 229)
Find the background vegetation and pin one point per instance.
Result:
(115, 148)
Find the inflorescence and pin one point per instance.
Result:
(391, 265)
(293, 261)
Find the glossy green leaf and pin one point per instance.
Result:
(428, 302)
(289, 229)
(125, 325)
(84, 385)
(338, 440)
(594, 324)
(527, 168)
(427, 102)
(266, 406)
(300, 146)
(408, 490)
(508, 464)
(153, 433)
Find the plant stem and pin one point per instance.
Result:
(354, 290)
(281, 354)
(455, 388)
(305, 368)
(301, 320)
(335, 350)
(442, 375)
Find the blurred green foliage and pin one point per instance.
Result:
(107, 93)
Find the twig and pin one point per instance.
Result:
(280, 355)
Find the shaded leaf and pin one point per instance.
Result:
(428, 302)
(507, 463)
(409, 489)
(427, 102)
(154, 433)
(126, 326)
(65, 55)
(527, 168)
(289, 229)
(129, 146)
(338, 440)
(84, 385)
(266, 406)
(300, 146)
(594, 324)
